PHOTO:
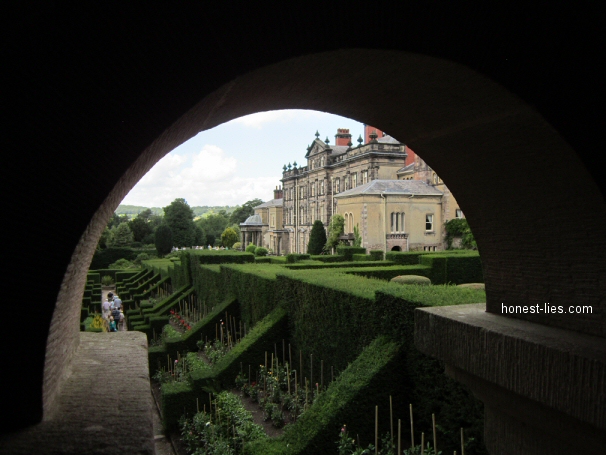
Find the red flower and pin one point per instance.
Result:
(188, 327)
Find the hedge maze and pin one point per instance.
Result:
(335, 320)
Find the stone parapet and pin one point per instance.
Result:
(103, 407)
(544, 388)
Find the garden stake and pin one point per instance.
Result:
(289, 355)
(462, 443)
(399, 437)
(433, 423)
(391, 418)
(276, 350)
(422, 443)
(301, 365)
(296, 394)
(272, 363)
(376, 430)
(288, 377)
(412, 430)
(322, 373)
(311, 374)
(197, 406)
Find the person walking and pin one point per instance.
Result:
(105, 309)
(112, 324)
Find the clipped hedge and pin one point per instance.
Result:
(263, 260)
(250, 351)
(329, 258)
(388, 272)
(349, 251)
(351, 399)
(103, 258)
(222, 256)
(404, 257)
(296, 257)
(361, 257)
(178, 398)
(377, 255)
(337, 265)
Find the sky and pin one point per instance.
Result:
(237, 161)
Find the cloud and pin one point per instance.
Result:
(209, 177)
(258, 119)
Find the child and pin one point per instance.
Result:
(112, 324)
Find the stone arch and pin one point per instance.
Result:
(539, 218)
(441, 129)
(396, 248)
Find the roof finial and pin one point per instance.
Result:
(373, 136)
(360, 140)
(317, 134)
(326, 140)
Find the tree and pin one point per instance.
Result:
(335, 230)
(213, 224)
(317, 238)
(229, 237)
(121, 236)
(199, 237)
(180, 218)
(357, 237)
(140, 228)
(163, 239)
(105, 239)
(247, 209)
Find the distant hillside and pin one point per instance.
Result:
(134, 210)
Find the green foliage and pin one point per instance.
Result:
(180, 218)
(404, 257)
(229, 237)
(104, 239)
(107, 280)
(296, 257)
(223, 430)
(121, 236)
(317, 238)
(458, 227)
(411, 279)
(261, 251)
(357, 237)
(349, 251)
(140, 227)
(247, 209)
(335, 229)
(122, 264)
(251, 248)
(213, 225)
(163, 239)
(377, 255)
(361, 257)
(237, 246)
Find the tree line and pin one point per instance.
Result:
(178, 227)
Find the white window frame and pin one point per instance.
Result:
(429, 220)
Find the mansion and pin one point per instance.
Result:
(381, 186)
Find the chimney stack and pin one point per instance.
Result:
(368, 130)
(342, 137)
(278, 193)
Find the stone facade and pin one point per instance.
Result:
(313, 192)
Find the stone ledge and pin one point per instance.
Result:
(104, 406)
(548, 378)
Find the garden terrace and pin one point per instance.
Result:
(327, 315)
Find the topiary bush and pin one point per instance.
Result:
(237, 246)
(107, 280)
(411, 279)
(261, 251)
(377, 255)
(251, 248)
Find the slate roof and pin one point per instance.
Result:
(416, 187)
(410, 167)
(272, 203)
(387, 139)
(253, 220)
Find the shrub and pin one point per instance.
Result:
(107, 280)
(317, 238)
(411, 279)
(237, 246)
(141, 257)
(122, 264)
(251, 248)
(261, 251)
(377, 255)
(349, 251)
(296, 257)
(163, 239)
